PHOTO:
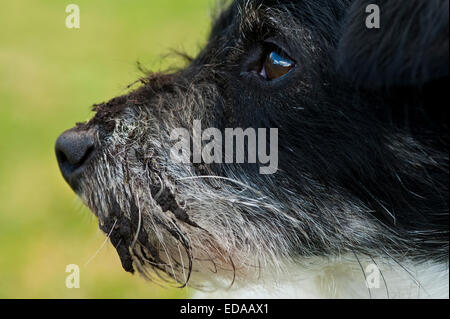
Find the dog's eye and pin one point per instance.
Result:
(276, 65)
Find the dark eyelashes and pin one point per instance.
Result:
(271, 62)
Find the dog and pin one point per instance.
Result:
(356, 202)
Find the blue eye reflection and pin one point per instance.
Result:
(276, 66)
(280, 61)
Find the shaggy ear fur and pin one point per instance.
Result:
(409, 49)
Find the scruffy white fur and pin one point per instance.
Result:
(345, 279)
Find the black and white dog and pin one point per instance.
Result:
(356, 203)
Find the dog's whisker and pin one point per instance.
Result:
(182, 263)
(364, 274)
(163, 244)
(139, 225)
(382, 276)
(102, 245)
(411, 276)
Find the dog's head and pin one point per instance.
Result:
(361, 143)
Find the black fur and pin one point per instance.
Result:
(373, 125)
(362, 119)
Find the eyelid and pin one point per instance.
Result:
(281, 46)
(252, 65)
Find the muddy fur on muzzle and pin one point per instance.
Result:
(362, 147)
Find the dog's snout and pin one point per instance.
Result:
(73, 149)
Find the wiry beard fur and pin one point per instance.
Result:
(188, 224)
(357, 179)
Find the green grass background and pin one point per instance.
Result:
(49, 78)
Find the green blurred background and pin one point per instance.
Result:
(49, 78)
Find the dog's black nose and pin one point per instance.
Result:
(73, 149)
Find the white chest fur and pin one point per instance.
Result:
(344, 279)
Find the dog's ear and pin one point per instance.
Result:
(386, 43)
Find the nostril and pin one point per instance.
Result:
(86, 156)
(73, 150)
(61, 157)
